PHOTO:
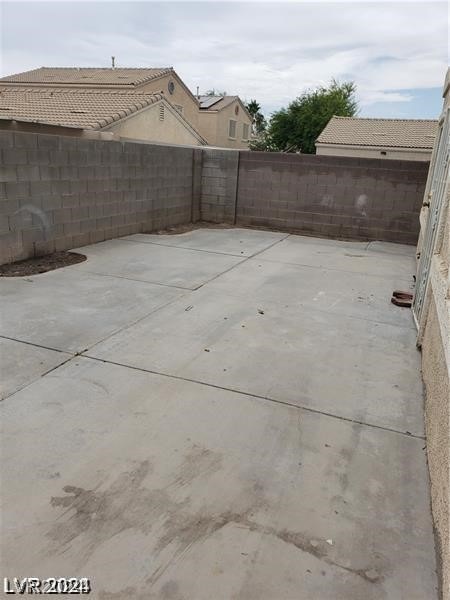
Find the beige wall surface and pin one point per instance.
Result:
(207, 126)
(147, 125)
(214, 126)
(434, 338)
(179, 97)
(223, 119)
(361, 152)
(437, 416)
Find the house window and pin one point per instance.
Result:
(245, 131)
(161, 112)
(232, 129)
(179, 108)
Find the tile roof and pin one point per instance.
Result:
(71, 108)
(86, 76)
(394, 133)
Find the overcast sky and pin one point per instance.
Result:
(396, 52)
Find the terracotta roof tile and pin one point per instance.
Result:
(73, 108)
(54, 76)
(394, 133)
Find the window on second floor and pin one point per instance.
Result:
(232, 129)
(245, 131)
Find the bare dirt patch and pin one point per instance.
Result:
(41, 264)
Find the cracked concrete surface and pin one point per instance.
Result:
(217, 414)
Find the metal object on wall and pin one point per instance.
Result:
(435, 202)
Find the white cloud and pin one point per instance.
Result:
(268, 51)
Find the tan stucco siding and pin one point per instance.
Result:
(361, 152)
(223, 121)
(214, 126)
(437, 415)
(180, 96)
(147, 125)
(434, 338)
(207, 126)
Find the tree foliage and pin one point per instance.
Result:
(259, 122)
(297, 127)
(214, 92)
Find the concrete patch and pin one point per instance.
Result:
(342, 256)
(353, 368)
(245, 242)
(388, 248)
(33, 362)
(358, 295)
(71, 310)
(179, 267)
(158, 488)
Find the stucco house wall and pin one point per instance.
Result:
(181, 96)
(214, 126)
(434, 340)
(207, 126)
(158, 123)
(223, 121)
(364, 152)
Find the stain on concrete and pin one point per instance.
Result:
(183, 531)
(98, 515)
(95, 516)
(197, 461)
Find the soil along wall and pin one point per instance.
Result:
(354, 198)
(58, 193)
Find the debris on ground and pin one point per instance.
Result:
(403, 299)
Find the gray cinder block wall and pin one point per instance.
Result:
(343, 197)
(219, 185)
(58, 193)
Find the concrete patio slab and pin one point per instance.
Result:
(342, 256)
(353, 368)
(178, 267)
(159, 488)
(70, 309)
(238, 241)
(34, 360)
(359, 295)
(389, 248)
(276, 453)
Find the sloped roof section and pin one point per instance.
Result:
(50, 76)
(216, 102)
(77, 109)
(393, 133)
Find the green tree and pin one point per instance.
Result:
(297, 127)
(214, 92)
(259, 121)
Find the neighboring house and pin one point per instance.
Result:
(224, 121)
(399, 139)
(114, 114)
(163, 81)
